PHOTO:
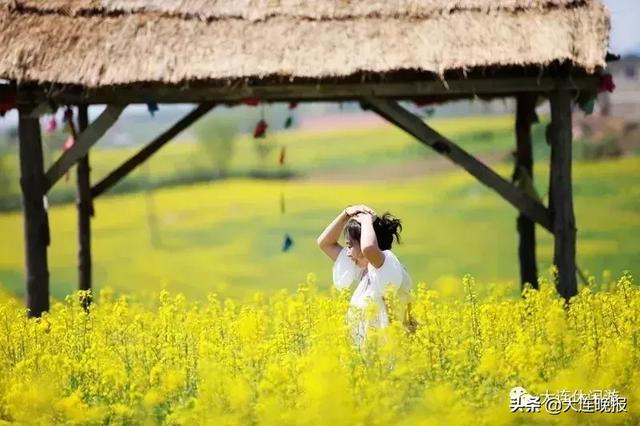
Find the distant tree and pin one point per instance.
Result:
(217, 137)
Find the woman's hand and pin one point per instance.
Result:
(352, 211)
(363, 216)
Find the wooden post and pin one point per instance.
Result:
(84, 204)
(561, 195)
(525, 116)
(36, 222)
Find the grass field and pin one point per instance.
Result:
(226, 237)
(307, 151)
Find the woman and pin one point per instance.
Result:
(368, 259)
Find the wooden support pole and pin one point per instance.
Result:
(523, 173)
(561, 194)
(83, 143)
(84, 205)
(36, 222)
(394, 113)
(125, 168)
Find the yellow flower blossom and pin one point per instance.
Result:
(290, 358)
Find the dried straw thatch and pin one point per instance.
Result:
(112, 42)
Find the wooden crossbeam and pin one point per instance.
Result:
(125, 168)
(312, 91)
(85, 140)
(410, 123)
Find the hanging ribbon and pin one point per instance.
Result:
(587, 101)
(69, 143)
(7, 103)
(606, 84)
(250, 101)
(260, 129)
(71, 140)
(288, 242)
(288, 122)
(52, 124)
(587, 106)
(68, 119)
(152, 107)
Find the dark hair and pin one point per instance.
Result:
(385, 227)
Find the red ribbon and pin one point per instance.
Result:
(606, 83)
(69, 143)
(52, 125)
(251, 101)
(260, 129)
(7, 104)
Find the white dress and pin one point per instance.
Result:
(371, 285)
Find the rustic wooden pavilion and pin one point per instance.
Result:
(377, 52)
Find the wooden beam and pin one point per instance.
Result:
(84, 141)
(125, 168)
(7, 90)
(413, 125)
(221, 92)
(561, 194)
(36, 221)
(523, 173)
(84, 204)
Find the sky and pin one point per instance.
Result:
(625, 22)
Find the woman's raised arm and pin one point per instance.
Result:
(368, 240)
(328, 240)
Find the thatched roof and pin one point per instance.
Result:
(112, 42)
